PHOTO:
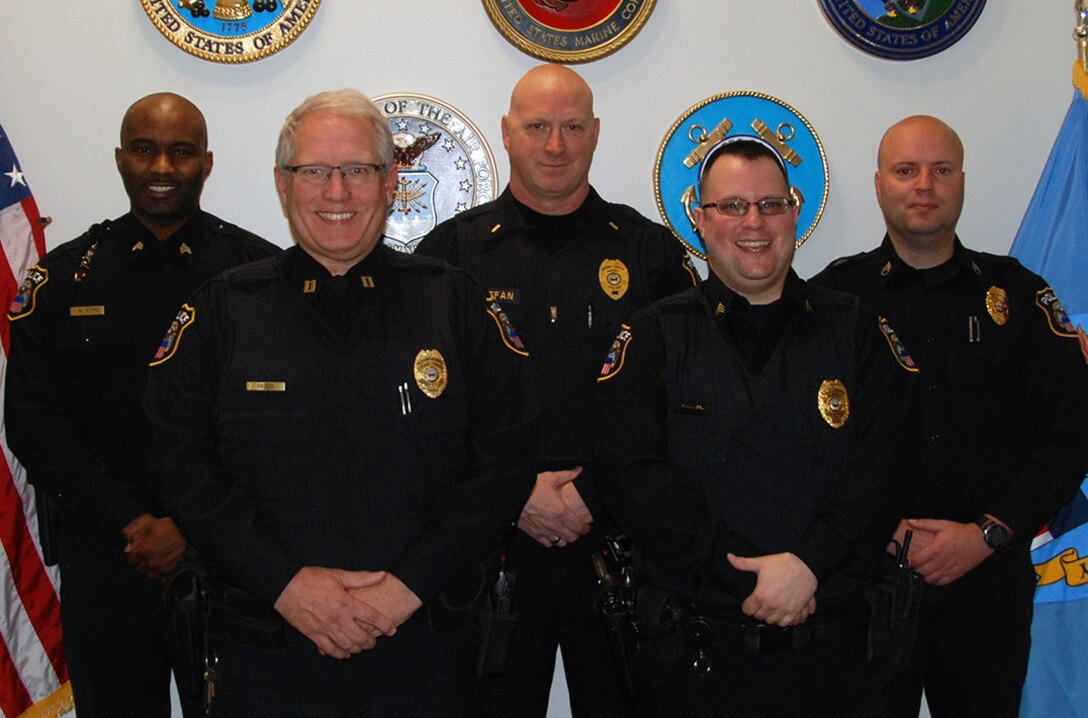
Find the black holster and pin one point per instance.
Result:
(615, 606)
(894, 599)
(186, 598)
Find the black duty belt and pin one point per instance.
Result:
(700, 630)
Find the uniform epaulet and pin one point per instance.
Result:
(850, 259)
(224, 229)
(417, 262)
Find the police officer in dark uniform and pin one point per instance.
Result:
(343, 432)
(85, 323)
(1001, 430)
(747, 439)
(569, 268)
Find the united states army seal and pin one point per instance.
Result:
(712, 120)
(902, 29)
(444, 166)
(569, 30)
(231, 31)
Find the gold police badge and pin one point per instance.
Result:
(231, 31)
(997, 304)
(834, 403)
(430, 372)
(614, 278)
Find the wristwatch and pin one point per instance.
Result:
(994, 532)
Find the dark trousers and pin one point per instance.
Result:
(973, 641)
(554, 595)
(830, 678)
(417, 672)
(114, 624)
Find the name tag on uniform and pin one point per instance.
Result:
(266, 386)
(91, 310)
(695, 409)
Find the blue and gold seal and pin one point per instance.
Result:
(712, 120)
(569, 30)
(231, 31)
(902, 29)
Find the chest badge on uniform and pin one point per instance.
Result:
(430, 372)
(997, 304)
(614, 278)
(1056, 315)
(834, 403)
(23, 304)
(169, 343)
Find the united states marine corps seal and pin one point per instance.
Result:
(231, 31)
(902, 29)
(705, 124)
(430, 372)
(569, 30)
(444, 166)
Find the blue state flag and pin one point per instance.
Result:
(1053, 241)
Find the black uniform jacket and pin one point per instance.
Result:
(567, 284)
(86, 322)
(384, 426)
(699, 456)
(1001, 422)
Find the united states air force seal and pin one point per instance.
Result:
(444, 166)
(231, 31)
(737, 113)
(569, 30)
(902, 29)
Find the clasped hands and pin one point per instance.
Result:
(345, 612)
(555, 514)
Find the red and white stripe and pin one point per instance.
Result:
(33, 675)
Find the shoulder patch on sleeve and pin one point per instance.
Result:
(169, 343)
(1055, 313)
(509, 334)
(23, 303)
(898, 350)
(614, 361)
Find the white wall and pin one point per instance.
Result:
(70, 69)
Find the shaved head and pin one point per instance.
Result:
(166, 103)
(919, 185)
(550, 134)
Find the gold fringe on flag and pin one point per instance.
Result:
(1080, 79)
(55, 705)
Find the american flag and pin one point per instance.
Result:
(33, 675)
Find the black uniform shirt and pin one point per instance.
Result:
(377, 421)
(695, 463)
(567, 282)
(80, 351)
(1001, 422)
